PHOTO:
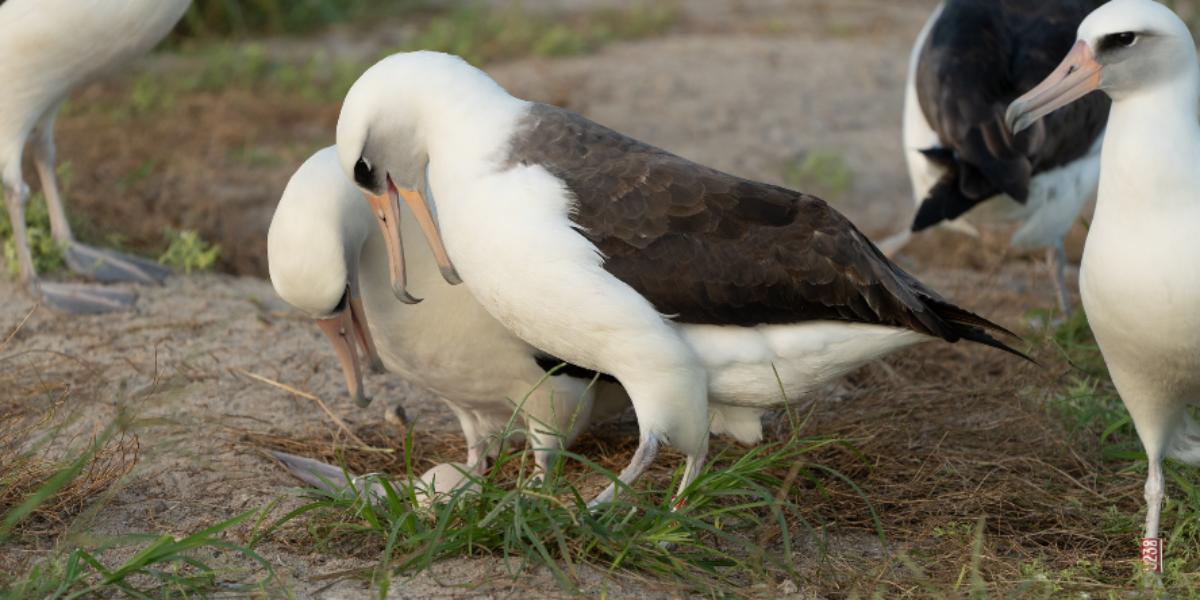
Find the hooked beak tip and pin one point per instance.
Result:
(1017, 118)
(451, 275)
(362, 400)
(402, 294)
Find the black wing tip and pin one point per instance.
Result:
(981, 336)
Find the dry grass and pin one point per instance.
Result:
(944, 436)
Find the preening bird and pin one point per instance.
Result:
(599, 249)
(328, 258)
(971, 60)
(48, 48)
(1140, 277)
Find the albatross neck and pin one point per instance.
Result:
(1153, 141)
(471, 129)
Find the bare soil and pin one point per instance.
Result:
(949, 433)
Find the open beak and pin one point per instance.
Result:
(339, 330)
(364, 334)
(1078, 74)
(387, 212)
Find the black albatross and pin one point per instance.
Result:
(597, 248)
(970, 61)
(47, 49)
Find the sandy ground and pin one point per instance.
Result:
(722, 89)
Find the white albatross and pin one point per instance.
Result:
(597, 249)
(48, 48)
(328, 259)
(973, 58)
(1140, 277)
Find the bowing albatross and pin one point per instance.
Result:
(327, 258)
(971, 60)
(48, 48)
(598, 248)
(1140, 277)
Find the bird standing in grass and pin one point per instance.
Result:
(48, 48)
(970, 61)
(328, 258)
(1140, 278)
(601, 250)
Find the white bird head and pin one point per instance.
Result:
(1125, 48)
(313, 247)
(383, 136)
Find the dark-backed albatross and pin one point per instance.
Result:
(597, 248)
(971, 60)
(1140, 277)
(48, 48)
(327, 258)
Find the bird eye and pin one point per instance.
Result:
(1125, 39)
(362, 174)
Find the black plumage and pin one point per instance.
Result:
(979, 57)
(707, 247)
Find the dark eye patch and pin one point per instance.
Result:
(363, 175)
(1118, 41)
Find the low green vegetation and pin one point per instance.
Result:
(481, 35)
(47, 255)
(44, 486)
(212, 18)
(187, 252)
(822, 173)
(736, 526)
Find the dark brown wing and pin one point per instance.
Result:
(708, 247)
(979, 57)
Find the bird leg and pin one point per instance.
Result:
(70, 298)
(1152, 558)
(695, 463)
(1056, 262)
(647, 451)
(102, 264)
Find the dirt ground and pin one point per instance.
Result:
(742, 86)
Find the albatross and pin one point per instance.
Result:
(1140, 276)
(973, 58)
(598, 249)
(48, 48)
(327, 258)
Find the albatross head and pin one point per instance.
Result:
(1124, 48)
(383, 148)
(313, 248)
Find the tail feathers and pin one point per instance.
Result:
(970, 326)
(971, 177)
(945, 202)
(1185, 446)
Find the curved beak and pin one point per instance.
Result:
(387, 213)
(1078, 74)
(339, 329)
(359, 317)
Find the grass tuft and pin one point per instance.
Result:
(736, 526)
(186, 251)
